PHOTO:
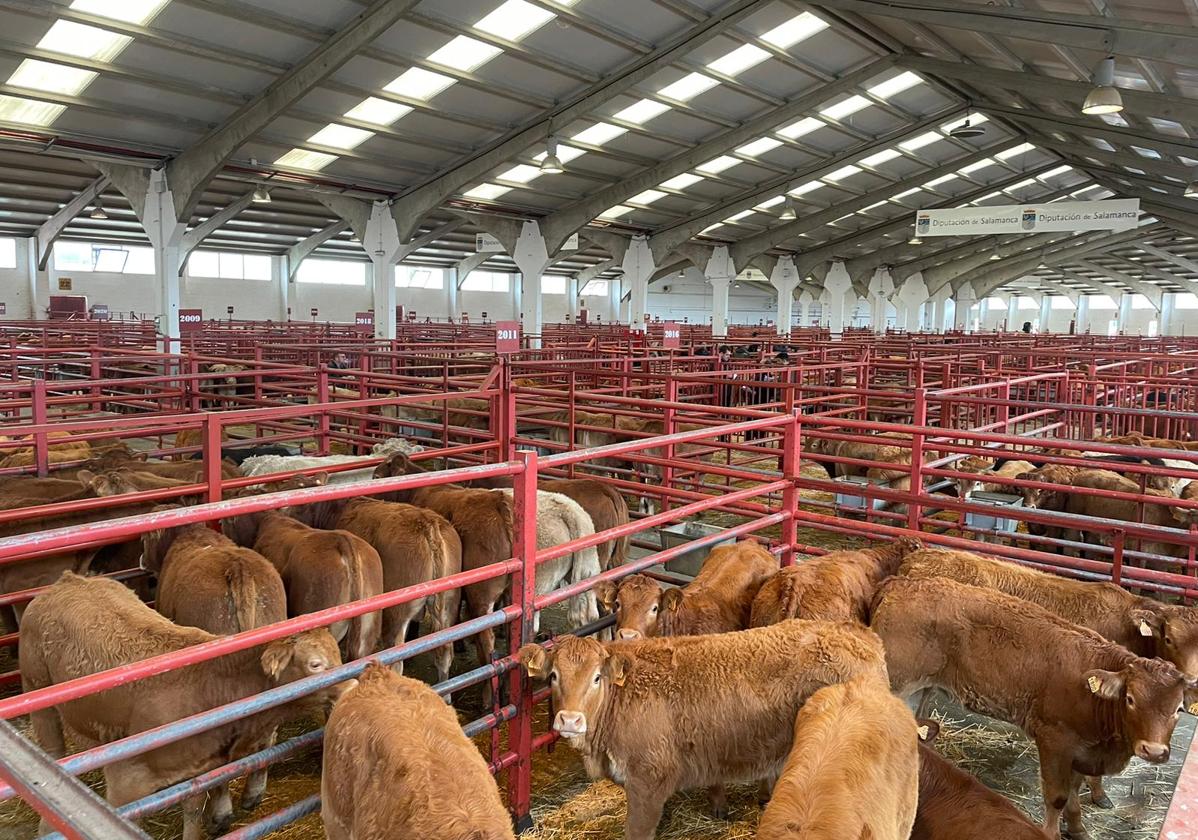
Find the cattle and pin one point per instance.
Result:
(61, 447)
(1088, 704)
(238, 454)
(853, 771)
(267, 464)
(1187, 517)
(891, 460)
(189, 471)
(984, 472)
(414, 546)
(463, 412)
(838, 586)
(81, 626)
(27, 491)
(396, 764)
(661, 715)
(953, 805)
(319, 569)
(194, 437)
(1137, 439)
(718, 600)
(1104, 507)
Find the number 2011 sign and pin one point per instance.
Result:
(507, 336)
(671, 336)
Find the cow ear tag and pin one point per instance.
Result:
(1193, 709)
(1145, 630)
(1094, 684)
(923, 731)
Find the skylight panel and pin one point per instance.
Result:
(1148, 153)
(925, 139)
(803, 126)
(615, 212)
(340, 136)
(1102, 144)
(521, 173)
(798, 28)
(738, 216)
(759, 147)
(29, 111)
(846, 107)
(642, 111)
(739, 60)
(881, 157)
(803, 189)
(895, 86)
(465, 53)
(842, 173)
(1027, 182)
(487, 192)
(1060, 170)
(140, 12)
(873, 206)
(47, 76)
(688, 87)
(514, 20)
(599, 133)
(83, 41)
(981, 164)
(905, 194)
(681, 182)
(1014, 152)
(378, 111)
(778, 199)
(718, 165)
(647, 197)
(419, 83)
(943, 179)
(305, 159)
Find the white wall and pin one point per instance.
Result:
(689, 297)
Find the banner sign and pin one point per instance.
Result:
(190, 319)
(485, 243)
(364, 320)
(99, 312)
(1117, 214)
(671, 337)
(507, 336)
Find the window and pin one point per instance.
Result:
(1026, 302)
(8, 253)
(332, 272)
(93, 256)
(1181, 300)
(1061, 302)
(553, 285)
(487, 281)
(1102, 302)
(226, 265)
(1141, 302)
(408, 277)
(595, 288)
(996, 303)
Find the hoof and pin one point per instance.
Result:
(251, 803)
(218, 825)
(762, 802)
(1075, 835)
(719, 813)
(1104, 802)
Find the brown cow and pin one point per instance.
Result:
(838, 586)
(984, 474)
(320, 569)
(194, 437)
(60, 447)
(397, 765)
(953, 805)
(716, 601)
(853, 771)
(81, 626)
(189, 471)
(414, 546)
(1089, 704)
(661, 715)
(1137, 439)
(1185, 518)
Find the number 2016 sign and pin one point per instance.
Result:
(507, 336)
(671, 337)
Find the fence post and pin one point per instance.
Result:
(1117, 559)
(667, 472)
(95, 373)
(41, 447)
(212, 456)
(791, 453)
(192, 386)
(919, 419)
(322, 422)
(524, 594)
(507, 411)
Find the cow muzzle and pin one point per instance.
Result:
(627, 635)
(570, 724)
(1153, 753)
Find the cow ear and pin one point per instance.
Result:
(1105, 684)
(276, 657)
(605, 594)
(671, 599)
(927, 729)
(86, 477)
(1147, 622)
(616, 667)
(536, 661)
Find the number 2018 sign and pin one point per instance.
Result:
(507, 336)
(671, 337)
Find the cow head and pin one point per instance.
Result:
(1149, 695)
(639, 603)
(582, 675)
(303, 655)
(1035, 497)
(1187, 517)
(1174, 632)
(396, 465)
(966, 487)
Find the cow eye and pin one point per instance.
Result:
(653, 611)
(1131, 703)
(553, 676)
(315, 665)
(597, 679)
(1180, 709)
(1169, 640)
(619, 606)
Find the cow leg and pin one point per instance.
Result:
(645, 803)
(1056, 782)
(218, 813)
(719, 802)
(1098, 793)
(401, 634)
(480, 602)
(47, 731)
(255, 786)
(441, 612)
(1073, 809)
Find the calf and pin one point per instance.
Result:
(1104, 507)
(953, 805)
(984, 472)
(1089, 704)
(716, 601)
(194, 437)
(81, 626)
(661, 715)
(1187, 517)
(397, 765)
(853, 770)
(320, 569)
(838, 586)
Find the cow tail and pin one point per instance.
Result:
(358, 635)
(243, 595)
(619, 551)
(789, 600)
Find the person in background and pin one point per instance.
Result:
(1027, 327)
(341, 361)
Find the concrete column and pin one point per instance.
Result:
(1013, 323)
(837, 286)
(281, 277)
(615, 293)
(881, 288)
(907, 301)
(166, 236)
(38, 279)
(940, 307)
(785, 279)
(720, 272)
(532, 259)
(572, 298)
(451, 293)
(383, 245)
(1082, 317)
(800, 310)
(1045, 312)
(1168, 309)
(638, 268)
(962, 301)
(1124, 320)
(518, 296)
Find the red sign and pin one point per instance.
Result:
(412, 315)
(99, 312)
(507, 336)
(314, 312)
(190, 319)
(671, 336)
(364, 319)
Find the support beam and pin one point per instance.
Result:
(190, 172)
(131, 181)
(417, 202)
(467, 265)
(570, 218)
(354, 211)
(1105, 35)
(1077, 150)
(53, 227)
(531, 258)
(1151, 292)
(638, 269)
(193, 237)
(720, 272)
(1168, 256)
(430, 237)
(1094, 128)
(785, 279)
(299, 252)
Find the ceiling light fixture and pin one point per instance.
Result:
(261, 196)
(966, 129)
(97, 212)
(994, 255)
(552, 164)
(788, 211)
(1192, 189)
(1104, 98)
(915, 240)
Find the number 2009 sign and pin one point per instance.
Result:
(507, 336)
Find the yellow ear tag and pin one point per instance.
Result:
(1145, 630)
(923, 730)
(1094, 684)
(1193, 709)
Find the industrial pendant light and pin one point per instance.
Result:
(261, 196)
(1192, 188)
(1104, 98)
(965, 130)
(994, 255)
(788, 210)
(915, 240)
(97, 212)
(552, 164)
